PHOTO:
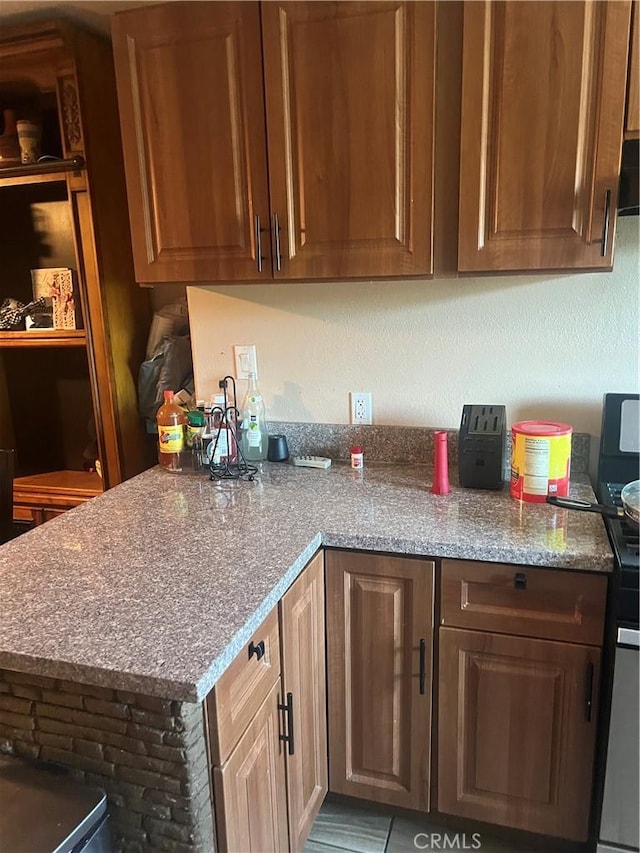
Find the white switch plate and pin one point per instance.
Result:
(246, 361)
(361, 407)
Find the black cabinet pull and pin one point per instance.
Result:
(606, 223)
(588, 693)
(259, 257)
(288, 722)
(276, 240)
(423, 669)
(256, 649)
(520, 580)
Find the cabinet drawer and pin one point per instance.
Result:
(23, 513)
(523, 600)
(237, 696)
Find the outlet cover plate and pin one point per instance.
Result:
(361, 407)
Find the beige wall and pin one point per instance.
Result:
(546, 346)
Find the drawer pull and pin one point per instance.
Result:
(588, 693)
(256, 649)
(288, 722)
(423, 672)
(520, 581)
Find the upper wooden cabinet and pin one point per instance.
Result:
(632, 122)
(192, 115)
(347, 91)
(543, 98)
(350, 100)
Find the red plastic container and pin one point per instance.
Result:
(440, 464)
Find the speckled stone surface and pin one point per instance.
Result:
(395, 443)
(156, 585)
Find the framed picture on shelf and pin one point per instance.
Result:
(56, 285)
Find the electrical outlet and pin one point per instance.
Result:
(246, 361)
(361, 407)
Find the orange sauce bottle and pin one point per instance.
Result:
(171, 421)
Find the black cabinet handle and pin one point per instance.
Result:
(605, 224)
(520, 580)
(256, 649)
(423, 669)
(259, 257)
(588, 693)
(276, 240)
(288, 722)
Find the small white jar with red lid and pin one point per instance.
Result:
(357, 457)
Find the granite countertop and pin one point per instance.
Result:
(156, 585)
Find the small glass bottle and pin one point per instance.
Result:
(223, 432)
(254, 434)
(171, 421)
(195, 431)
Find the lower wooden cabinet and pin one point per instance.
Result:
(302, 630)
(517, 691)
(268, 729)
(379, 641)
(516, 731)
(249, 789)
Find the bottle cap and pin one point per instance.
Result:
(168, 395)
(356, 449)
(195, 418)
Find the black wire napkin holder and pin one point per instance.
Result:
(233, 466)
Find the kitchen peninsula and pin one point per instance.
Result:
(118, 618)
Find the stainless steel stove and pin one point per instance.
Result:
(623, 535)
(618, 464)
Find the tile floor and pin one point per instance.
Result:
(341, 826)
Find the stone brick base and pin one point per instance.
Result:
(148, 754)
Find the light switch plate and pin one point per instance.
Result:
(246, 360)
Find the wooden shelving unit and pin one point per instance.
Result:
(40, 497)
(68, 397)
(44, 338)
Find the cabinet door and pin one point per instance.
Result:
(516, 731)
(350, 107)
(542, 118)
(632, 123)
(303, 672)
(192, 112)
(249, 788)
(379, 628)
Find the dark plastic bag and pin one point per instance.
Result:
(169, 370)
